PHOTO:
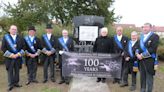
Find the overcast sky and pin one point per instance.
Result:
(135, 11)
(140, 11)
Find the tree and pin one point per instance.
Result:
(27, 12)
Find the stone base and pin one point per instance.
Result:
(87, 84)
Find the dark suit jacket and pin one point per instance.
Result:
(53, 42)
(37, 45)
(127, 54)
(151, 44)
(124, 42)
(5, 47)
(103, 45)
(70, 46)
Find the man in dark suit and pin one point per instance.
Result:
(147, 56)
(49, 44)
(103, 44)
(65, 43)
(131, 63)
(13, 52)
(119, 43)
(32, 50)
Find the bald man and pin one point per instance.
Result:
(13, 52)
(119, 43)
(65, 43)
(131, 63)
(103, 44)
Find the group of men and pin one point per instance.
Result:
(31, 47)
(137, 54)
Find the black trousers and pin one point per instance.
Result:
(146, 78)
(13, 73)
(49, 63)
(128, 68)
(66, 79)
(32, 68)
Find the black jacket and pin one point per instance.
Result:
(5, 47)
(53, 42)
(124, 42)
(103, 45)
(134, 48)
(151, 44)
(69, 44)
(36, 44)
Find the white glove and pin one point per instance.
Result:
(61, 52)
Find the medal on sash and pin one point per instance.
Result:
(63, 43)
(11, 42)
(145, 53)
(15, 45)
(135, 66)
(30, 44)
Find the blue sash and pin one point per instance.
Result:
(30, 43)
(47, 42)
(130, 49)
(142, 42)
(11, 43)
(118, 42)
(63, 43)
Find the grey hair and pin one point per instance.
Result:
(104, 29)
(134, 33)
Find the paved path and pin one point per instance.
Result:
(87, 84)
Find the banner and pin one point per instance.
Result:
(91, 64)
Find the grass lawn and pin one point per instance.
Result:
(55, 87)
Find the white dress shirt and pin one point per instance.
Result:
(65, 39)
(133, 42)
(49, 36)
(14, 37)
(119, 37)
(31, 38)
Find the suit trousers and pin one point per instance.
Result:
(13, 73)
(146, 78)
(49, 63)
(32, 69)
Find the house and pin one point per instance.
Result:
(157, 29)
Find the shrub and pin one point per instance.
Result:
(1, 57)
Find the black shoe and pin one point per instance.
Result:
(53, 80)
(67, 82)
(35, 81)
(98, 80)
(28, 82)
(44, 81)
(61, 82)
(10, 88)
(116, 81)
(17, 85)
(132, 88)
(123, 84)
(103, 80)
